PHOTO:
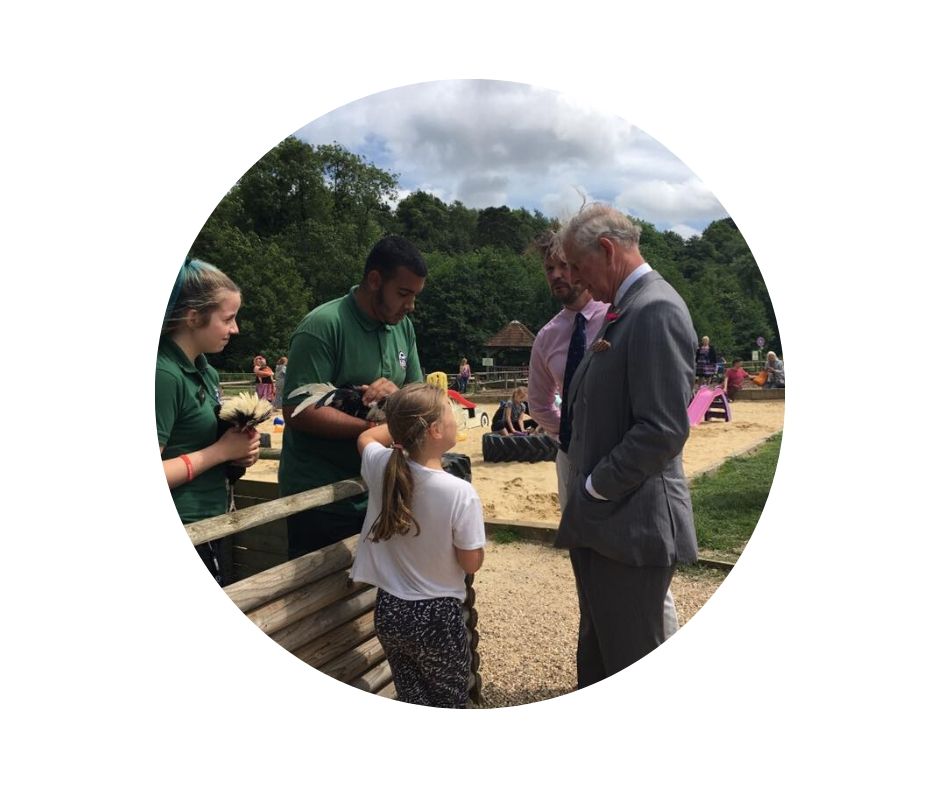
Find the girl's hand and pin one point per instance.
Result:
(241, 448)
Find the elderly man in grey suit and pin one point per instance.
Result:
(628, 519)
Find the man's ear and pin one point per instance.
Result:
(374, 280)
(608, 246)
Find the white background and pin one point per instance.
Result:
(815, 661)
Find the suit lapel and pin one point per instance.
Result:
(622, 307)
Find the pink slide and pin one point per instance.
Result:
(708, 403)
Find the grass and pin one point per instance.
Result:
(728, 502)
(504, 536)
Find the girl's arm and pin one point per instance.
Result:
(377, 434)
(470, 560)
(233, 446)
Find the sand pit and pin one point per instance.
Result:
(527, 492)
(526, 599)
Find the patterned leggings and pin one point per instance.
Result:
(426, 644)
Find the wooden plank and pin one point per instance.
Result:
(270, 538)
(255, 591)
(375, 679)
(539, 532)
(329, 646)
(300, 603)
(388, 691)
(235, 522)
(355, 662)
(311, 627)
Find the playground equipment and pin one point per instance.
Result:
(709, 403)
(519, 448)
(464, 409)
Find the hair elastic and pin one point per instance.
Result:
(398, 446)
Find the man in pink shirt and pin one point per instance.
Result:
(549, 358)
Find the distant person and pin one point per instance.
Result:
(774, 369)
(734, 379)
(362, 339)
(508, 420)
(199, 319)
(280, 375)
(264, 379)
(463, 376)
(628, 520)
(706, 360)
(423, 532)
(556, 352)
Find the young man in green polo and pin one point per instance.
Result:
(364, 339)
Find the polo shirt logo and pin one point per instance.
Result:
(402, 359)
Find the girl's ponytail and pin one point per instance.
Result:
(409, 412)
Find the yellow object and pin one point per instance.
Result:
(438, 379)
(278, 428)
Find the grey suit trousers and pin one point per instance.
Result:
(621, 613)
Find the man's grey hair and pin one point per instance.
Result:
(596, 220)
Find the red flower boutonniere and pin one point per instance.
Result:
(611, 316)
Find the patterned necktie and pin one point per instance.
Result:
(575, 354)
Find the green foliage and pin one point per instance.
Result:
(728, 503)
(295, 230)
(504, 536)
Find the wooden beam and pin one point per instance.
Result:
(375, 679)
(355, 662)
(300, 603)
(234, 522)
(255, 591)
(327, 619)
(329, 646)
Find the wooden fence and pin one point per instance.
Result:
(309, 605)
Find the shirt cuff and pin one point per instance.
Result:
(591, 491)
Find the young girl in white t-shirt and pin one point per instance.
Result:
(422, 534)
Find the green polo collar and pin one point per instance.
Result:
(367, 322)
(176, 354)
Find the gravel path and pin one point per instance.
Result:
(528, 619)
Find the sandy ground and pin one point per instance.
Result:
(526, 598)
(527, 492)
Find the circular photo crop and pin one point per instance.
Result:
(468, 394)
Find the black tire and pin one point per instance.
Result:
(518, 448)
(484, 420)
(457, 465)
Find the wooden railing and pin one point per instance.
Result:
(310, 606)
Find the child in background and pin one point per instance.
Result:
(280, 375)
(422, 533)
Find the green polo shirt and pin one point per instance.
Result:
(338, 343)
(186, 396)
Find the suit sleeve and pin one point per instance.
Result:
(660, 368)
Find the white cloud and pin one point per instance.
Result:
(492, 143)
(685, 231)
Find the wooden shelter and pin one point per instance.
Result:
(513, 342)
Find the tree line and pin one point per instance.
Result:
(295, 230)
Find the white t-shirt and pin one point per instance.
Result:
(412, 567)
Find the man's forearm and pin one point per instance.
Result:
(326, 422)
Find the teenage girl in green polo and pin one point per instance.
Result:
(200, 319)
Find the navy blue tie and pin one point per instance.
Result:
(575, 354)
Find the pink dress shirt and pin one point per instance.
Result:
(547, 362)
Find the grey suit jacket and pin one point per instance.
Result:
(629, 423)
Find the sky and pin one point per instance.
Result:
(491, 143)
